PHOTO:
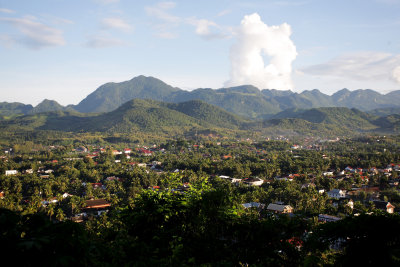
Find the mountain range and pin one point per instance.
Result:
(246, 101)
(148, 105)
(172, 119)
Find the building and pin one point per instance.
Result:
(280, 208)
(254, 181)
(11, 172)
(327, 218)
(384, 205)
(337, 193)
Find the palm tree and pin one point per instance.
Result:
(50, 209)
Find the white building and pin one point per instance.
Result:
(11, 172)
(337, 193)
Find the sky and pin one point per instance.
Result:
(65, 49)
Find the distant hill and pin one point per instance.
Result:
(348, 118)
(46, 106)
(171, 119)
(136, 115)
(110, 96)
(384, 111)
(246, 100)
(10, 109)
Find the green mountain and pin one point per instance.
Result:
(110, 96)
(170, 119)
(247, 101)
(10, 109)
(351, 119)
(137, 115)
(208, 113)
(46, 106)
(384, 111)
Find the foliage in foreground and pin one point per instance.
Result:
(200, 226)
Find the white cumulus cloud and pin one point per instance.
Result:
(257, 43)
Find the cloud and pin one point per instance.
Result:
(396, 74)
(6, 10)
(207, 29)
(165, 21)
(101, 41)
(224, 12)
(35, 34)
(360, 66)
(116, 23)
(160, 11)
(257, 42)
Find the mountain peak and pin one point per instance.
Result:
(46, 106)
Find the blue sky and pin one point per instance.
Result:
(64, 50)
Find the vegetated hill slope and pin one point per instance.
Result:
(110, 96)
(135, 115)
(244, 100)
(9, 109)
(161, 118)
(384, 111)
(47, 106)
(352, 119)
(208, 113)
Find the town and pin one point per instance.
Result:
(315, 180)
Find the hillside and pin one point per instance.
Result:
(110, 96)
(170, 119)
(134, 116)
(46, 106)
(246, 100)
(10, 109)
(351, 119)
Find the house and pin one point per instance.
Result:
(337, 193)
(11, 172)
(146, 152)
(29, 171)
(127, 150)
(283, 178)
(384, 205)
(253, 205)
(116, 152)
(349, 169)
(81, 149)
(2, 194)
(233, 180)
(327, 218)
(280, 208)
(253, 181)
(96, 204)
